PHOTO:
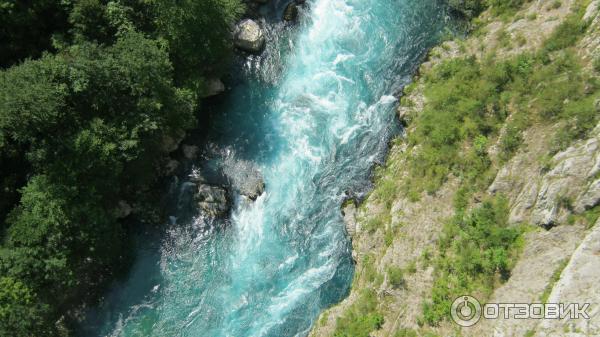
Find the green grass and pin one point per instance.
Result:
(468, 105)
(476, 252)
(361, 318)
(468, 102)
(588, 218)
(569, 31)
(396, 277)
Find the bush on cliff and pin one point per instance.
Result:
(477, 251)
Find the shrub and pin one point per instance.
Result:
(568, 32)
(510, 142)
(361, 318)
(476, 250)
(396, 277)
(21, 313)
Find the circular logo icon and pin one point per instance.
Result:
(466, 311)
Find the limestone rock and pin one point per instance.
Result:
(253, 189)
(349, 214)
(404, 115)
(591, 11)
(249, 36)
(575, 166)
(214, 87)
(578, 284)
(524, 202)
(589, 198)
(249, 181)
(212, 200)
(291, 12)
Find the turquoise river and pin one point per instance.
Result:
(313, 114)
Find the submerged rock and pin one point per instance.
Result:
(291, 12)
(248, 36)
(212, 200)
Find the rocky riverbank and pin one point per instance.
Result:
(214, 198)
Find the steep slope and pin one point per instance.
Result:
(539, 157)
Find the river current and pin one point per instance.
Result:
(313, 115)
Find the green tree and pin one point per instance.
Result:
(21, 315)
(28, 26)
(89, 121)
(198, 33)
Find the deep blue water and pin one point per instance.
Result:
(313, 114)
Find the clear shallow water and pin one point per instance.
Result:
(313, 120)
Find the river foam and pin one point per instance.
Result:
(314, 126)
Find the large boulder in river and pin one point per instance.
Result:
(244, 177)
(248, 36)
(212, 200)
(291, 12)
(253, 188)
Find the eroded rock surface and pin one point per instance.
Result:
(212, 200)
(249, 36)
(578, 284)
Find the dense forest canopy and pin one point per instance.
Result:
(89, 92)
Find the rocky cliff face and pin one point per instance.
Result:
(554, 193)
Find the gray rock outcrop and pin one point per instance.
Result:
(574, 168)
(578, 283)
(589, 198)
(214, 87)
(253, 189)
(212, 200)
(349, 214)
(291, 12)
(570, 186)
(248, 36)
